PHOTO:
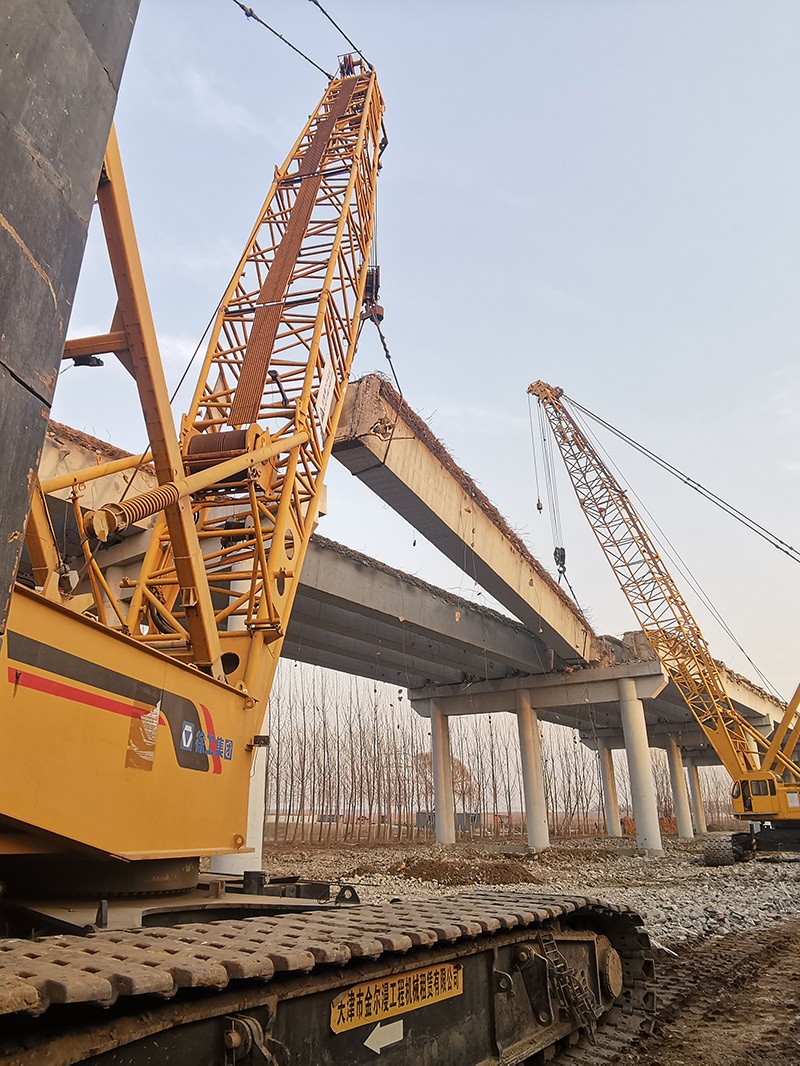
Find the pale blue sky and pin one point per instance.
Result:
(599, 193)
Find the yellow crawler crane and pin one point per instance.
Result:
(236, 504)
(132, 715)
(764, 771)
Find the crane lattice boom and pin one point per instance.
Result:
(661, 610)
(271, 385)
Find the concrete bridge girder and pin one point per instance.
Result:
(359, 616)
(392, 451)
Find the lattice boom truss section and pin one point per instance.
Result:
(661, 610)
(277, 365)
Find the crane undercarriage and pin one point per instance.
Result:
(485, 977)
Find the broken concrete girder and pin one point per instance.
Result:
(388, 447)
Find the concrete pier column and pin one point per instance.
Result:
(530, 747)
(442, 776)
(680, 797)
(698, 810)
(256, 815)
(257, 801)
(637, 750)
(608, 783)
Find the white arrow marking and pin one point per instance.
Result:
(384, 1035)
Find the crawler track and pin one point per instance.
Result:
(204, 971)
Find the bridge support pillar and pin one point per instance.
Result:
(680, 797)
(608, 783)
(442, 762)
(256, 816)
(257, 802)
(637, 750)
(698, 810)
(530, 746)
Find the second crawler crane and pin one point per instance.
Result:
(764, 770)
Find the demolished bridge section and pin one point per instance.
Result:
(391, 450)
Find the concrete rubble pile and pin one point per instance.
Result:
(679, 897)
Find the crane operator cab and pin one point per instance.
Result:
(756, 794)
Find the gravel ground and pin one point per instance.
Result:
(678, 897)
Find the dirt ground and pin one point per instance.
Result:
(732, 1001)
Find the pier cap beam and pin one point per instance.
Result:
(549, 692)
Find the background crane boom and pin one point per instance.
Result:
(658, 604)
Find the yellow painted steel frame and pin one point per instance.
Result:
(114, 746)
(133, 311)
(279, 359)
(113, 738)
(749, 757)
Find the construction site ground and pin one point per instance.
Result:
(727, 939)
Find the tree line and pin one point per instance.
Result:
(349, 760)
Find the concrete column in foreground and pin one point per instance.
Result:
(608, 783)
(256, 815)
(257, 800)
(637, 750)
(530, 747)
(442, 776)
(698, 810)
(680, 797)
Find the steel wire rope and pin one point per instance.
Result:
(708, 494)
(539, 505)
(250, 14)
(551, 484)
(559, 549)
(336, 26)
(668, 548)
(551, 488)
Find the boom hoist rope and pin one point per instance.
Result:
(250, 14)
(664, 542)
(708, 494)
(669, 549)
(336, 26)
(659, 606)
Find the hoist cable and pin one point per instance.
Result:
(249, 13)
(539, 506)
(317, 4)
(551, 484)
(386, 352)
(712, 497)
